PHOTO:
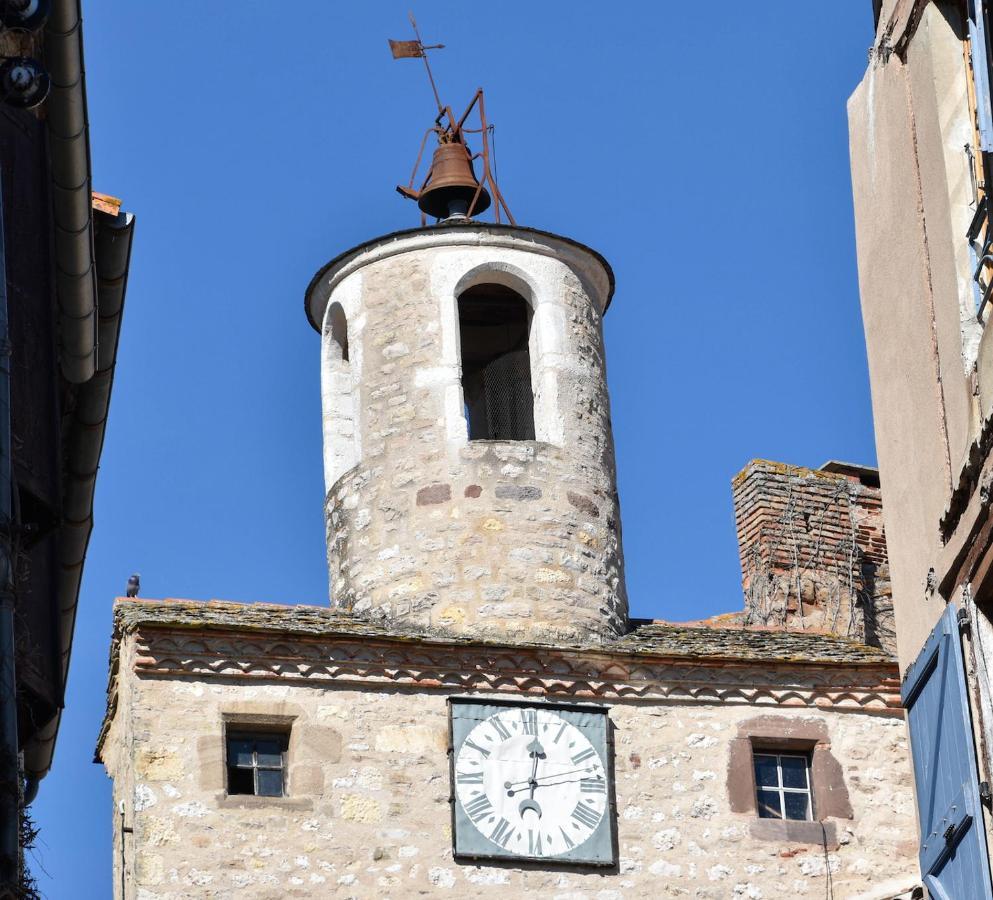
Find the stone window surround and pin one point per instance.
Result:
(341, 428)
(547, 349)
(829, 793)
(308, 745)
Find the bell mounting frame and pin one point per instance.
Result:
(449, 130)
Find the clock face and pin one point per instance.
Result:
(530, 782)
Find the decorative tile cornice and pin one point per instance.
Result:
(219, 650)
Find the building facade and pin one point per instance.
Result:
(64, 257)
(476, 712)
(920, 140)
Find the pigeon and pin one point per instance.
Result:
(134, 585)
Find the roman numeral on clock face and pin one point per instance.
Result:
(585, 815)
(569, 842)
(502, 833)
(480, 750)
(501, 729)
(534, 843)
(469, 777)
(593, 786)
(530, 719)
(586, 754)
(478, 807)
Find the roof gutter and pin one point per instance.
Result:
(69, 150)
(83, 440)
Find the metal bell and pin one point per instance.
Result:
(452, 185)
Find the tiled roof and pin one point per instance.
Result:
(663, 639)
(647, 637)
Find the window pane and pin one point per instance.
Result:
(240, 781)
(794, 771)
(765, 771)
(269, 753)
(239, 753)
(796, 806)
(769, 807)
(270, 782)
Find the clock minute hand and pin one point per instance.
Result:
(518, 786)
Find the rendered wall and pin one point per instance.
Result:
(909, 124)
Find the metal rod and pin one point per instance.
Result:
(487, 173)
(124, 859)
(986, 299)
(10, 813)
(427, 65)
(420, 153)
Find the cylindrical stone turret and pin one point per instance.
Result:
(468, 455)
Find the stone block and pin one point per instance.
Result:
(159, 765)
(434, 493)
(517, 492)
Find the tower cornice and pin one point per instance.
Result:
(455, 234)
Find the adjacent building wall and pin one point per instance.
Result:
(910, 127)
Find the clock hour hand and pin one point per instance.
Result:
(536, 752)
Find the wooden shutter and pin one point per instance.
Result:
(953, 853)
(979, 53)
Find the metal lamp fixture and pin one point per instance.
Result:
(23, 82)
(27, 15)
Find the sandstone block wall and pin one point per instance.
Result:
(368, 816)
(500, 538)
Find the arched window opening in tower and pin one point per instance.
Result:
(338, 325)
(494, 325)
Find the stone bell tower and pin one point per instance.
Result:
(468, 455)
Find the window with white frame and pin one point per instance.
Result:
(782, 785)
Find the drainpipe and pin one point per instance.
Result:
(10, 818)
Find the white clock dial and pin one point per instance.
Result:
(530, 782)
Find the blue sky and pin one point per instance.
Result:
(704, 155)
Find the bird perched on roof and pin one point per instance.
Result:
(134, 585)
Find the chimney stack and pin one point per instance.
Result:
(813, 549)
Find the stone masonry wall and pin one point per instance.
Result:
(813, 552)
(368, 814)
(515, 539)
(516, 543)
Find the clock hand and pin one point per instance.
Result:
(536, 752)
(514, 784)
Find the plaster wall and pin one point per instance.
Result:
(368, 808)
(909, 120)
(500, 538)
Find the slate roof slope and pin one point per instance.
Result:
(648, 637)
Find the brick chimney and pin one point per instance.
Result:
(813, 549)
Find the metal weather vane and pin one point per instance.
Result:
(450, 190)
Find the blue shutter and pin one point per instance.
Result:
(953, 854)
(979, 50)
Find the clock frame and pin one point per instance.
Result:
(532, 782)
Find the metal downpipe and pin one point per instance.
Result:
(10, 813)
